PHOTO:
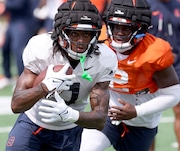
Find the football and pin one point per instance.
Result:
(56, 68)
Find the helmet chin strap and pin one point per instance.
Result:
(121, 47)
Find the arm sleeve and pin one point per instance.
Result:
(169, 97)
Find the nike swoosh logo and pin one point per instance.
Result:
(57, 80)
(65, 112)
(131, 61)
(85, 69)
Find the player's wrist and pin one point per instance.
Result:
(44, 88)
(139, 110)
(74, 115)
(47, 85)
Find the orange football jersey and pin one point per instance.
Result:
(135, 73)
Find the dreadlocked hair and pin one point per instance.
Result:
(55, 36)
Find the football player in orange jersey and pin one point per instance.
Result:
(145, 83)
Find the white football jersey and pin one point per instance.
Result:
(38, 55)
(149, 121)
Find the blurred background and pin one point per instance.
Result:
(17, 25)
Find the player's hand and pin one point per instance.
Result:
(51, 111)
(58, 81)
(118, 113)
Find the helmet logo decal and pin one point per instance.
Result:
(84, 17)
(119, 12)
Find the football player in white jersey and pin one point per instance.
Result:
(144, 85)
(52, 113)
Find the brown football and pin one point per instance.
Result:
(56, 68)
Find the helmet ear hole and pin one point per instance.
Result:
(63, 42)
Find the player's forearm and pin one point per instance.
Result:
(169, 97)
(23, 100)
(99, 100)
(95, 119)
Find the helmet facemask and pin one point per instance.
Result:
(129, 38)
(67, 42)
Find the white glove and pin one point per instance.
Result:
(51, 111)
(114, 122)
(113, 103)
(58, 80)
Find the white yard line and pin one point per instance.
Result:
(5, 129)
(168, 119)
(5, 105)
